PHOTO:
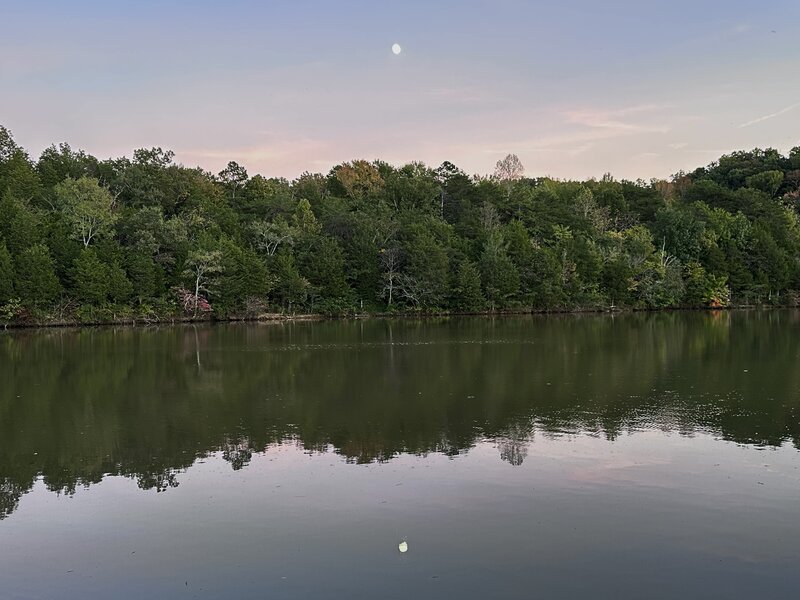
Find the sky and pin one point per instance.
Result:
(575, 88)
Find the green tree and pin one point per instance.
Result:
(202, 268)
(681, 232)
(467, 293)
(58, 163)
(322, 264)
(768, 182)
(270, 236)
(17, 174)
(426, 274)
(409, 235)
(768, 260)
(6, 274)
(36, 283)
(233, 177)
(304, 219)
(616, 280)
(120, 288)
(91, 278)
(88, 207)
(291, 288)
(270, 198)
(146, 276)
(244, 277)
(704, 289)
(19, 224)
(500, 276)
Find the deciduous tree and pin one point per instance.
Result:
(88, 207)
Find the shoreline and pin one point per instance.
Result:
(311, 317)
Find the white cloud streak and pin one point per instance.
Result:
(770, 116)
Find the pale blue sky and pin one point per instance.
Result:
(575, 88)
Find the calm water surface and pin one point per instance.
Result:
(636, 456)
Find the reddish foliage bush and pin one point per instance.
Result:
(187, 300)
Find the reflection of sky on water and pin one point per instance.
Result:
(639, 456)
(294, 523)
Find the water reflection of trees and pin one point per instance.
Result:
(514, 444)
(77, 405)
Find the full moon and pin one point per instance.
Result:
(396, 48)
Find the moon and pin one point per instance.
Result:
(396, 49)
(403, 547)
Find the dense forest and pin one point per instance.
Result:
(144, 238)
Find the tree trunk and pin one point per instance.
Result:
(196, 293)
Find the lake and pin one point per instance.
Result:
(604, 456)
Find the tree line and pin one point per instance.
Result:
(84, 239)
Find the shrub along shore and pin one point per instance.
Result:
(146, 240)
(112, 320)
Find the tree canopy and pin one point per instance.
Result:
(89, 239)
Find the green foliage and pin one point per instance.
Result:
(36, 284)
(659, 286)
(291, 288)
(244, 277)
(733, 170)
(768, 260)
(146, 277)
(10, 310)
(427, 270)
(270, 198)
(304, 220)
(17, 174)
(550, 271)
(233, 177)
(322, 264)
(202, 271)
(680, 232)
(616, 281)
(91, 279)
(6, 274)
(87, 206)
(120, 288)
(145, 232)
(468, 296)
(19, 224)
(59, 163)
(499, 275)
(64, 248)
(704, 289)
(768, 182)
